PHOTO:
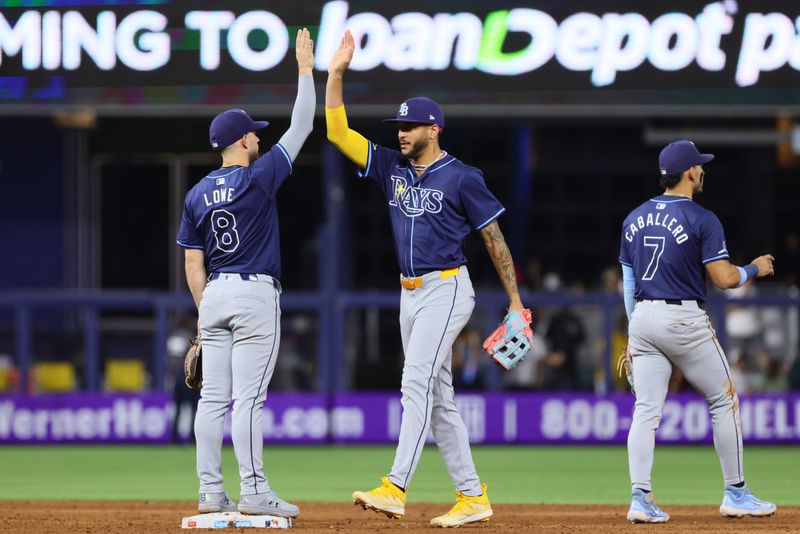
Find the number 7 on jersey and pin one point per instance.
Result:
(657, 244)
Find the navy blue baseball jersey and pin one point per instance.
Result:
(431, 214)
(232, 216)
(667, 241)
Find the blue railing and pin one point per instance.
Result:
(331, 312)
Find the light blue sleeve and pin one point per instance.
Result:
(302, 118)
(628, 289)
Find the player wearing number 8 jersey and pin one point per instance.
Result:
(668, 245)
(230, 232)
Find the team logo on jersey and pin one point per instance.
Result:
(415, 201)
(660, 206)
(403, 110)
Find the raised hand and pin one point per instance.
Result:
(344, 55)
(304, 50)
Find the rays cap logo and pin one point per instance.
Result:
(420, 110)
(230, 126)
(681, 156)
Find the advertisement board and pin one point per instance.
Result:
(171, 57)
(354, 418)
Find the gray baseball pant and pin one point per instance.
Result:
(660, 333)
(240, 331)
(431, 317)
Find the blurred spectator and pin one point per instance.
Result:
(770, 377)
(790, 260)
(565, 334)
(745, 376)
(469, 361)
(794, 375)
(184, 398)
(611, 285)
(611, 280)
(744, 327)
(551, 282)
(294, 368)
(7, 375)
(780, 336)
(677, 382)
(533, 274)
(790, 268)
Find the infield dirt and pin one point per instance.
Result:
(115, 517)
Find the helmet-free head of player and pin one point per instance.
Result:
(231, 125)
(680, 156)
(419, 110)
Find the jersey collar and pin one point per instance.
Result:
(668, 199)
(435, 166)
(224, 171)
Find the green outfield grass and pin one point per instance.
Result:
(682, 475)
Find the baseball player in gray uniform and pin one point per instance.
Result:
(669, 244)
(229, 231)
(434, 202)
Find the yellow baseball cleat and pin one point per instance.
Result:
(466, 510)
(386, 498)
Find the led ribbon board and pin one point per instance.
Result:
(152, 55)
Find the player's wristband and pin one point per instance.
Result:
(747, 273)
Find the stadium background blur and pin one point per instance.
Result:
(95, 163)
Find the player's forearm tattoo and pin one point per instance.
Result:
(501, 258)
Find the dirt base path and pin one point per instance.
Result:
(87, 517)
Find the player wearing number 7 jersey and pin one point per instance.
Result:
(230, 232)
(668, 245)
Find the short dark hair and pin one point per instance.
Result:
(668, 181)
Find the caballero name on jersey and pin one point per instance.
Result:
(659, 219)
(414, 201)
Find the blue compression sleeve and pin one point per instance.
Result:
(628, 289)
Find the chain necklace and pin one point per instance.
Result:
(420, 168)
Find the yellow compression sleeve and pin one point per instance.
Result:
(351, 143)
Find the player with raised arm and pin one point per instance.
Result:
(434, 202)
(229, 231)
(669, 244)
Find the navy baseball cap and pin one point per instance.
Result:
(420, 110)
(681, 156)
(231, 125)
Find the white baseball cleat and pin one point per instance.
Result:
(739, 502)
(644, 509)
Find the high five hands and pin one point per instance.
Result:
(304, 50)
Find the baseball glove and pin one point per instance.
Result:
(511, 342)
(625, 364)
(193, 364)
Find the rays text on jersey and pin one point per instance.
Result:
(414, 201)
(664, 220)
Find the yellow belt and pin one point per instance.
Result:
(415, 282)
